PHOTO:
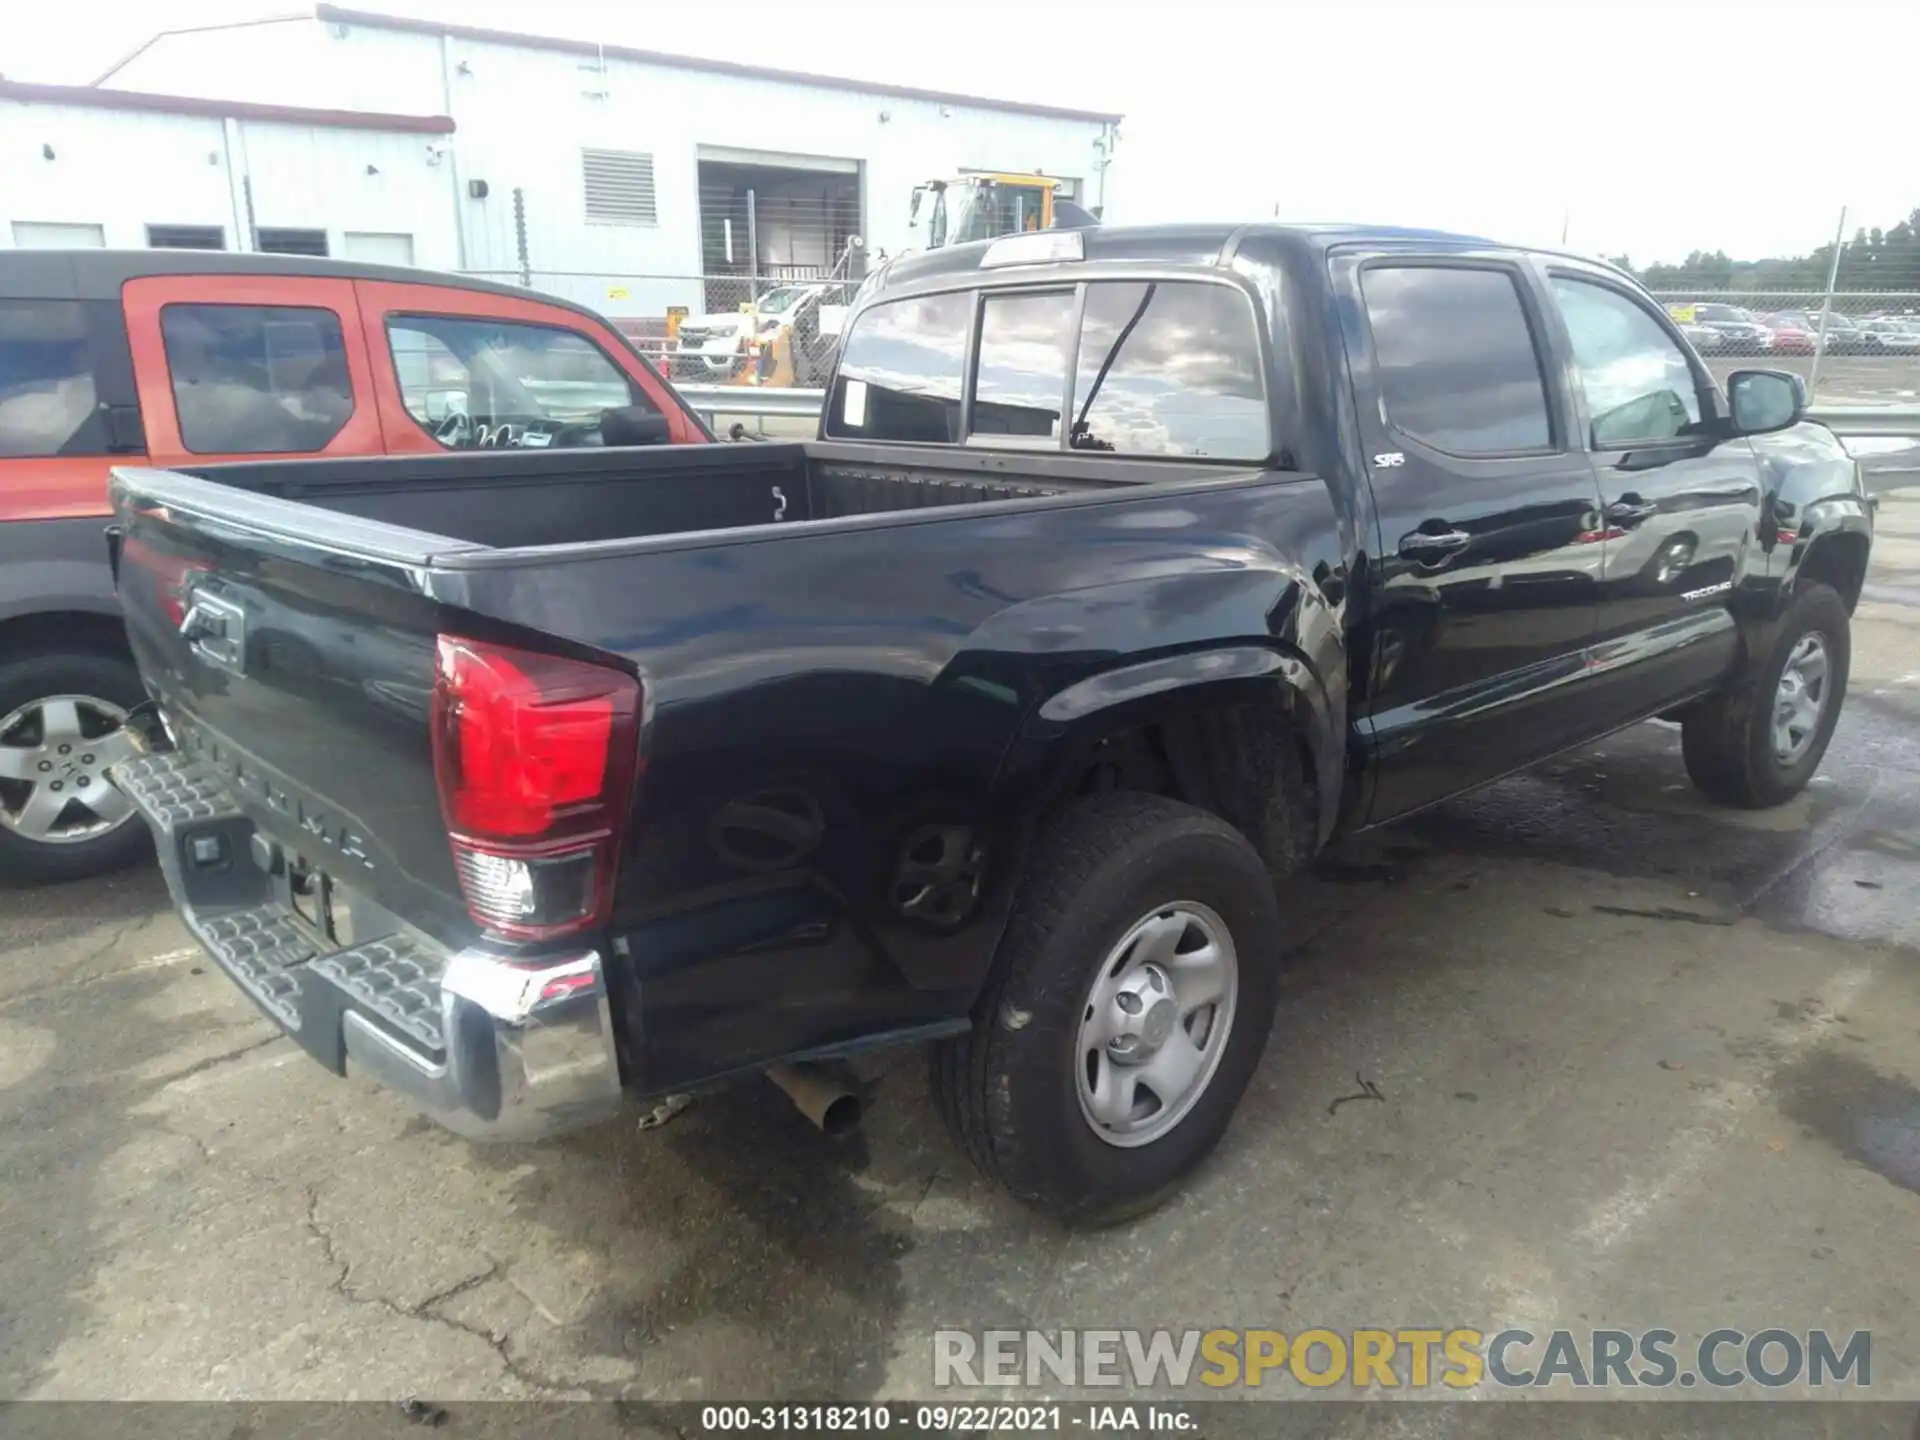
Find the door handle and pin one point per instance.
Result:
(1631, 512)
(1429, 545)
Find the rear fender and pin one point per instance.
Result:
(1234, 724)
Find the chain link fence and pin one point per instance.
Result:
(780, 257)
(1846, 315)
(776, 329)
(1857, 347)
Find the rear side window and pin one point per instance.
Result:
(900, 373)
(48, 396)
(1169, 368)
(257, 379)
(1025, 343)
(1455, 358)
(483, 384)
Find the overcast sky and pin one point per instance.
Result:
(1644, 127)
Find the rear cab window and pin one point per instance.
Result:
(1020, 377)
(1170, 368)
(901, 373)
(1162, 368)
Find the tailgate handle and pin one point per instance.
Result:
(216, 630)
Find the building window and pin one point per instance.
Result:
(385, 247)
(186, 237)
(291, 242)
(257, 379)
(619, 187)
(49, 235)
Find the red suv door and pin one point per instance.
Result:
(232, 367)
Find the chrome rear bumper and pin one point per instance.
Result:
(489, 1048)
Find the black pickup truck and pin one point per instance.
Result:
(1131, 567)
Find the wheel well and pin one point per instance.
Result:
(1244, 763)
(57, 631)
(1839, 561)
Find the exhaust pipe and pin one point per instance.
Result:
(830, 1105)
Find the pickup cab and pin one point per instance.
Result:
(184, 357)
(1130, 568)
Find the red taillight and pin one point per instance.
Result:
(536, 757)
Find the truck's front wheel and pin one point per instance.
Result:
(1758, 742)
(1129, 1006)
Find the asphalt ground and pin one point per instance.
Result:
(1841, 379)
(1638, 1062)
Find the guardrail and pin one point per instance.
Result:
(1869, 420)
(711, 400)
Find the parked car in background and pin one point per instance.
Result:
(174, 356)
(1885, 333)
(744, 345)
(1704, 338)
(1842, 331)
(1741, 331)
(1790, 337)
(1843, 336)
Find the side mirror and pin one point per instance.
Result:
(634, 425)
(1766, 400)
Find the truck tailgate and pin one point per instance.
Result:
(320, 699)
(307, 687)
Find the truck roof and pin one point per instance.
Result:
(99, 274)
(1189, 244)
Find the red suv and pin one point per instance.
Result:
(137, 357)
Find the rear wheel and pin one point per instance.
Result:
(62, 722)
(1758, 743)
(1130, 1004)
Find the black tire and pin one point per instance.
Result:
(36, 677)
(1727, 740)
(1007, 1089)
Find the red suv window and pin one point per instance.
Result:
(257, 379)
(473, 382)
(49, 401)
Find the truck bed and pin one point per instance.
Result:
(837, 695)
(507, 499)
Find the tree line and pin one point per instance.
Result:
(1874, 259)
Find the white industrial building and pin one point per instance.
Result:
(613, 175)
